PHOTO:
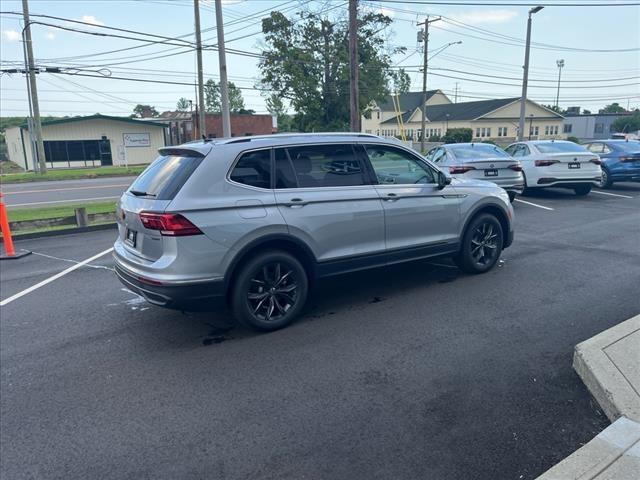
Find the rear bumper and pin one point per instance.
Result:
(567, 182)
(199, 296)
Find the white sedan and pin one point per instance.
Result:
(557, 163)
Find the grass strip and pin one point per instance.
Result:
(72, 174)
(65, 210)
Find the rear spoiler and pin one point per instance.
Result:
(182, 151)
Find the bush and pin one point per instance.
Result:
(458, 135)
(434, 138)
(491, 142)
(573, 139)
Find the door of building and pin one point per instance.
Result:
(105, 152)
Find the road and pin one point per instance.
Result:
(414, 371)
(43, 194)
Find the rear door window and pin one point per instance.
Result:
(253, 169)
(164, 177)
(326, 166)
(285, 176)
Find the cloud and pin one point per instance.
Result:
(11, 35)
(485, 16)
(50, 36)
(91, 19)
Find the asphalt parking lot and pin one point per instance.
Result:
(413, 371)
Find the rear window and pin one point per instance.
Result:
(164, 177)
(559, 147)
(630, 146)
(477, 151)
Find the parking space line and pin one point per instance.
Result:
(533, 204)
(52, 278)
(69, 200)
(612, 194)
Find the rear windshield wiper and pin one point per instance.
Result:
(138, 193)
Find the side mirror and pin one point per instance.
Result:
(443, 180)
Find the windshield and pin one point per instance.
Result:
(477, 151)
(164, 177)
(560, 147)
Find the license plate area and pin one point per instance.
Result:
(131, 238)
(573, 165)
(491, 173)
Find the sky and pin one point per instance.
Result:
(600, 47)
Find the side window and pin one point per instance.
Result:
(254, 169)
(432, 152)
(525, 151)
(511, 149)
(440, 155)
(285, 176)
(396, 166)
(326, 166)
(517, 150)
(595, 147)
(605, 148)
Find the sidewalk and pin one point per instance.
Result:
(609, 365)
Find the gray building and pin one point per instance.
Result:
(592, 126)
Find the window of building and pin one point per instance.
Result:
(367, 131)
(567, 128)
(477, 132)
(66, 151)
(395, 166)
(546, 129)
(556, 129)
(599, 128)
(326, 166)
(502, 131)
(488, 131)
(378, 114)
(254, 169)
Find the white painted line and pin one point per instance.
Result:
(54, 277)
(612, 194)
(534, 204)
(64, 189)
(69, 200)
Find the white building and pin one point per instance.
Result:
(89, 142)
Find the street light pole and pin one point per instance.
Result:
(202, 127)
(560, 64)
(525, 76)
(222, 60)
(425, 39)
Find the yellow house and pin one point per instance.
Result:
(89, 142)
(495, 120)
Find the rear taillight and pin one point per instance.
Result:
(461, 169)
(515, 167)
(169, 224)
(629, 159)
(597, 161)
(546, 163)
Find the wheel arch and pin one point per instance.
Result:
(495, 210)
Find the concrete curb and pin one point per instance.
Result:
(609, 365)
(613, 454)
(66, 231)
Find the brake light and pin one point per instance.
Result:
(546, 163)
(461, 169)
(629, 159)
(597, 161)
(515, 167)
(169, 224)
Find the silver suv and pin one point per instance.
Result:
(253, 221)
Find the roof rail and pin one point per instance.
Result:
(298, 134)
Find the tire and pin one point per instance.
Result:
(582, 190)
(512, 196)
(485, 229)
(269, 291)
(606, 179)
(527, 190)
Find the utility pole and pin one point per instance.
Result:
(35, 127)
(222, 59)
(560, 64)
(202, 127)
(425, 39)
(455, 98)
(354, 74)
(525, 76)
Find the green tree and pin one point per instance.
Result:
(555, 109)
(627, 124)
(212, 98)
(400, 81)
(183, 104)
(306, 61)
(275, 106)
(573, 139)
(144, 111)
(613, 108)
(586, 112)
(458, 135)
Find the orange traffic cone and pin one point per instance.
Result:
(6, 236)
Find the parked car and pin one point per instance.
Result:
(620, 160)
(480, 161)
(557, 163)
(254, 221)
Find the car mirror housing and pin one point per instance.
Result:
(443, 180)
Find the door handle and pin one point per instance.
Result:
(296, 203)
(391, 197)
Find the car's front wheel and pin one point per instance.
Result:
(512, 196)
(269, 291)
(605, 182)
(481, 245)
(582, 190)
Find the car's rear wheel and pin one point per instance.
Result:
(481, 245)
(269, 291)
(605, 182)
(582, 190)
